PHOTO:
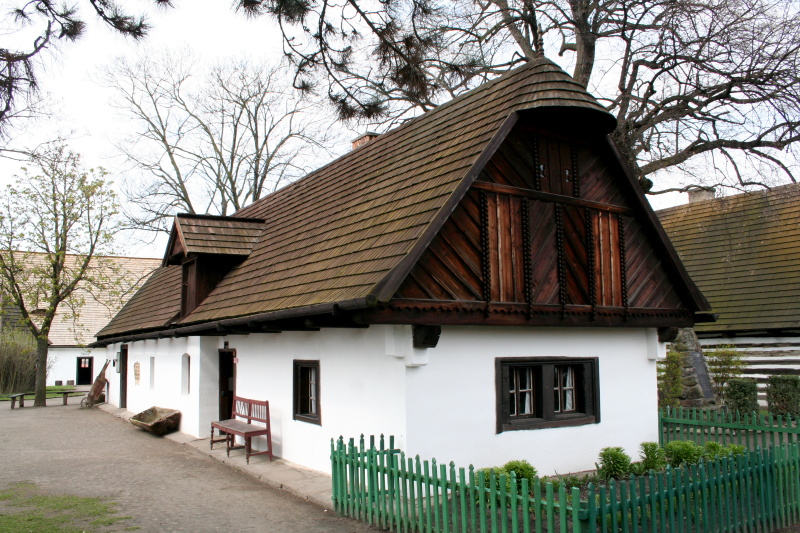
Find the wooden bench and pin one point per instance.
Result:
(245, 412)
(21, 395)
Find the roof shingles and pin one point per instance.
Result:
(743, 252)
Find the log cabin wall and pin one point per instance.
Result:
(546, 226)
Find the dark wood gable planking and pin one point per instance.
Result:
(538, 240)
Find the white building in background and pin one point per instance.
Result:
(484, 283)
(71, 361)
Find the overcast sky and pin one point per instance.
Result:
(209, 28)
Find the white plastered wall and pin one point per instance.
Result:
(452, 399)
(362, 386)
(63, 361)
(167, 378)
(438, 403)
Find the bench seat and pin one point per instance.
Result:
(250, 411)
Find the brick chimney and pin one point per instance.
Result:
(363, 139)
(701, 195)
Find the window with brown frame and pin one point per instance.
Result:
(306, 391)
(546, 392)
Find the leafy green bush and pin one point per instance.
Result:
(17, 361)
(724, 364)
(670, 379)
(742, 395)
(614, 463)
(712, 449)
(522, 470)
(783, 395)
(652, 457)
(681, 452)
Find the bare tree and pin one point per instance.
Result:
(704, 86)
(213, 142)
(56, 224)
(49, 23)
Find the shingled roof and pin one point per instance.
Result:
(743, 252)
(343, 233)
(206, 234)
(336, 234)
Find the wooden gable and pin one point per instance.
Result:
(550, 231)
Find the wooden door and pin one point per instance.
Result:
(83, 374)
(123, 377)
(227, 383)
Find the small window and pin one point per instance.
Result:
(152, 373)
(543, 393)
(186, 367)
(306, 391)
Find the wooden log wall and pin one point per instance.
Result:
(544, 224)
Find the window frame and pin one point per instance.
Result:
(298, 399)
(586, 395)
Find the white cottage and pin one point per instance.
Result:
(485, 283)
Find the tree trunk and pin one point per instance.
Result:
(41, 372)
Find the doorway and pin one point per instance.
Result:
(83, 375)
(122, 368)
(227, 382)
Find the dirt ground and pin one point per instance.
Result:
(163, 485)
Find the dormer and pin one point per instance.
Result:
(208, 247)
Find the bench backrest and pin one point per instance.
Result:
(251, 410)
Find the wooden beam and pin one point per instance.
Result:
(424, 312)
(549, 197)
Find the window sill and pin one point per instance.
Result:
(309, 419)
(539, 423)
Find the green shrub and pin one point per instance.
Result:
(783, 395)
(652, 457)
(713, 449)
(681, 452)
(522, 470)
(670, 379)
(614, 463)
(724, 364)
(742, 395)
(735, 449)
(17, 361)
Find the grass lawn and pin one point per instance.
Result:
(50, 394)
(25, 507)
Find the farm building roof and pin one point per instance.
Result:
(743, 251)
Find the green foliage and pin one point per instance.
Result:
(670, 382)
(724, 364)
(783, 395)
(572, 480)
(17, 361)
(522, 470)
(613, 463)
(682, 452)
(742, 395)
(652, 457)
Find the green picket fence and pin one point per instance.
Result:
(755, 492)
(751, 430)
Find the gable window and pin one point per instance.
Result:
(306, 391)
(546, 392)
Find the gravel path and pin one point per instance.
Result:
(163, 485)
